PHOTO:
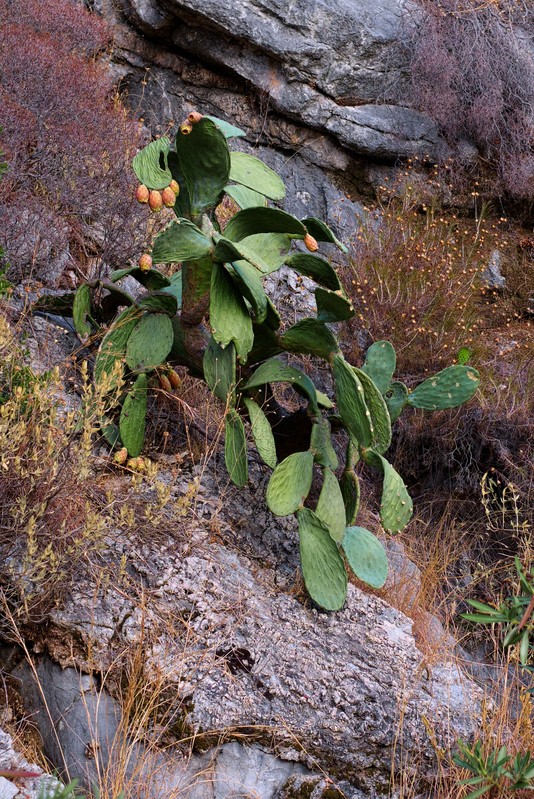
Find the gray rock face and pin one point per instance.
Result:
(18, 787)
(236, 656)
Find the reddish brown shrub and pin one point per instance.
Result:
(473, 71)
(67, 197)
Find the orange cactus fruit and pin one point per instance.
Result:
(174, 379)
(165, 383)
(174, 185)
(310, 243)
(142, 194)
(194, 116)
(145, 262)
(168, 197)
(155, 201)
(121, 456)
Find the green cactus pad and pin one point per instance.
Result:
(227, 251)
(262, 433)
(351, 403)
(290, 484)
(159, 302)
(332, 306)
(250, 285)
(380, 364)
(274, 371)
(378, 409)
(396, 505)
(350, 491)
(366, 556)
(115, 298)
(321, 444)
(113, 349)
(330, 508)
(396, 397)
(203, 160)
(312, 337)
(464, 355)
(220, 369)
(235, 449)
(81, 311)
(180, 241)
(111, 433)
(245, 198)
(229, 316)
(230, 131)
(273, 319)
(316, 268)
(271, 249)
(133, 417)
(147, 164)
(254, 174)
(150, 342)
(322, 232)
(322, 566)
(152, 280)
(252, 221)
(175, 289)
(448, 389)
(266, 344)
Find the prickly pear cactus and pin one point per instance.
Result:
(207, 310)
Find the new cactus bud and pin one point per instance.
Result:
(137, 464)
(142, 194)
(145, 263)
(168, 196)
(194, 116)
(186, 128)
(155, 201)
(310, 243)
(121, 456)
(175, 187)
(165, 383)
(174, 379)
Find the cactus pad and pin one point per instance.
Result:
(252, 221)
(113, 349)
(262, 433)
(159, 302)
(230, 131)
(290, 484)
(81, 310)
(245, 198)
(180, 241)
(316, 268)
(322, 566)
(147, 164)
(396, 397)
(396, 505)
(366, 556)
(274, 371)
(203, 161)
(220, 369)
(153, 280)
(249, 281)
(330, 508)
(351, 402)
(350, 491)
(322, 232)
(254, 174)
(380, 363)
(332, 306)
(312, 337)
(378, 409)
(235, 449)
(229, 316)
(271, 248)
(321, 444)
(447, 389)
(150, 342)
(133, 417)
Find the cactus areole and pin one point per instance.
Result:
(208, 310)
